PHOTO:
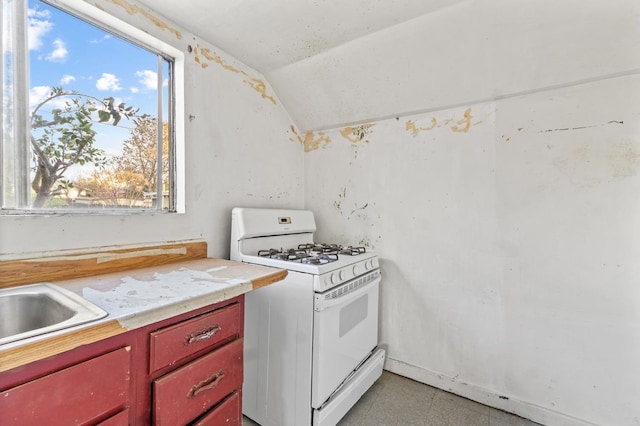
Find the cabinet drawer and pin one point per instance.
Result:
(228, 413)
(174, 343)
(120, 419)
(73, 396)
(197, 386)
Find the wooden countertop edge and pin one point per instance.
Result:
(269, 279)
(22, 355)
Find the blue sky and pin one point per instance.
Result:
(65, 51)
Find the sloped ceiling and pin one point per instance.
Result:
(334, 63)
(268, 35)
(274, 34)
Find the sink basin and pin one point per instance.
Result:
(31, 310)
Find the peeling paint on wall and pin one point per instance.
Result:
(311, 141)
(357, 134)
(211, 56)
(134, 10)
(260, 87)
(255, 83)
(462, 125)
(204, 56)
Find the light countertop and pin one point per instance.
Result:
(140, 297)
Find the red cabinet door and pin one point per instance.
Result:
(188, 392)
(77, 395)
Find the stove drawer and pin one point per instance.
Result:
(197, 386)
(177, 342)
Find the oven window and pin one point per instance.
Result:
(353, 314)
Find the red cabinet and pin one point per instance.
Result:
(178, 371)
(82, 394)
(196, 365)
(190, 391)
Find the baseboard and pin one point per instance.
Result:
(484, 396)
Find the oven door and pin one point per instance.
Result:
(345, 325)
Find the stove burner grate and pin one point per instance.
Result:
(312, 253)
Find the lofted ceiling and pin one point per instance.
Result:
(333, 63)
(271, 34)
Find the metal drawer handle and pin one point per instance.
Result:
(206, 384)
(205, 334)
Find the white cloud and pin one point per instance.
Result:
(59, 53)
(39, 26)
(37, 94)
(100, 40)
(134, 90)
(108, 82)
(66, 79)
(148, 78)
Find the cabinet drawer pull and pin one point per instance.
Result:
(206, 384)
(201, 335)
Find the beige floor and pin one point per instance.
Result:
(397, 401)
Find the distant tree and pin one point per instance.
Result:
(139, 159)
(110, 187)
(66, 137)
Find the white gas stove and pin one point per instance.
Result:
(310, 340)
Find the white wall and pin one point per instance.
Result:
(509, 250)
(238, 152)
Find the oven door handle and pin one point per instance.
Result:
(322, 302)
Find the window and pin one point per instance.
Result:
(89, 114)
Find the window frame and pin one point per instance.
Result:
(176, 58)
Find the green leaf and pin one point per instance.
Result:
(104, 116)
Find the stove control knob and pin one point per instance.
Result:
(343, 275)
(356, 270)
(367, 265)
(334, 278)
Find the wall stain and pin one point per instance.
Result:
(462, 125)
(255, 83)
(338, 203)
(414, 129)
(133, 10)
(260, 87)
(360, 208)
(624, 159)
(214, 57)
(358, 133)
(590, 164)
(310, 141)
